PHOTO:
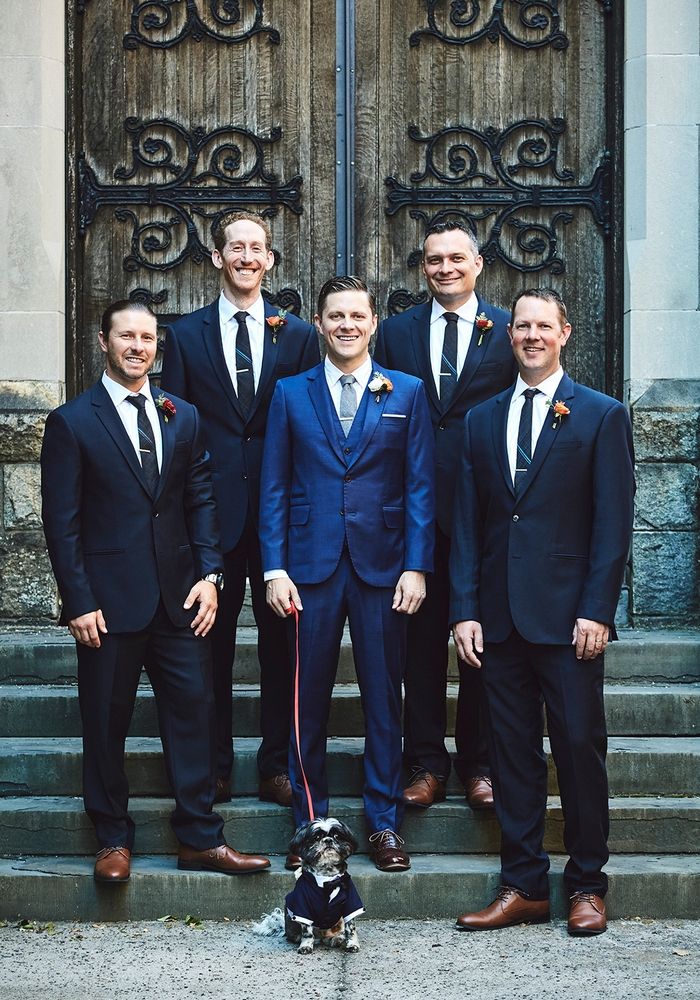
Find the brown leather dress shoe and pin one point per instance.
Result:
(424, 789)
(222, 859)
(586, 914)
(277, 789)
(480, 792)
(223, 790)
(293, 862)
(508, 908)
(385, 851)
(113, 864)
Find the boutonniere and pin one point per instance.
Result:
(559, 410)
(167, 406)
(276, 323)
(483, 325)
(378, 384)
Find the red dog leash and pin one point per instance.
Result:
(309, 801)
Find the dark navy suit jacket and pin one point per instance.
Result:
(403, 343)
(194, 368)
(112, 544)
(557, 552)
(374, 488)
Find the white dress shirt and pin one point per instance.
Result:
(333, 375)
(465, 325)
(540, 410)
(129, 415)
(255, 322)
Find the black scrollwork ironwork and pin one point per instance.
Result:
(477, 176)
(285, 298)
(401, 299)
(147, 297)
(537, 16)
(153, 23)
(188, 174)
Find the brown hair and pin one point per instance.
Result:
(344, 283)
(546, 295)
(219, 230)
(121, 306)
(451, 226)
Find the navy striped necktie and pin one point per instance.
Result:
(244, 364)
(147, 446)
(523, 456)
(448, 360)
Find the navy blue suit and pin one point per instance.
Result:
(403, 343)
(345, 517)
(194, 368)
(135, 555)
(527, 568)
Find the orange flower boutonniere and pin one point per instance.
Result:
(378, 384)
(484, 325)
(276, 323)
(559, 410)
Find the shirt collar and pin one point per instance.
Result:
(467, 311)
(228, 309)
(362, 374)
(118, 393)
(548, 387)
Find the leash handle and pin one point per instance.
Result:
(307, 790)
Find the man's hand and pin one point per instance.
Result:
(86, 629)
(590, 638)
(208, 597)
(281, 594)
(409, 593)
(469, 640)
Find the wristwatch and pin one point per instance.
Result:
(216, 578)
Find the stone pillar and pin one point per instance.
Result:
(32, 288)
(662, 322)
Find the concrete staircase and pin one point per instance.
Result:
(47, 845)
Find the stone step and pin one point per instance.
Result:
(437, 886)
(636, 766)
(44, 825)
(47, 656)
(631, 709)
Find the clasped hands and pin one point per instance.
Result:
(589, 637)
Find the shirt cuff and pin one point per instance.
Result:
(275, 574)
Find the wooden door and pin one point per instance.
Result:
(503, 113)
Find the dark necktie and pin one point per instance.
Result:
(147, 446)
(448, 361)
(523, 455)
(348, 402)
(244, 365)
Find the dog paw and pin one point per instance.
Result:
(305, 948)
(352, 947)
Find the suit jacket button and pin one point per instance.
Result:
(441, 427)
(248, 438)
(243, 476)
(515, 517)
(346, 451)
(348, 479)
(342, 513)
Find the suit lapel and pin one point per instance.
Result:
(475, 354)
(167, 436)
(108, 416)
(325, 411)
(373, 411)
(211, 335)
(550, 429)
(269, 358)
(420, 334)
(500, 444)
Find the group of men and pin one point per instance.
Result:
(456, 479)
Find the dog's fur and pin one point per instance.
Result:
(324, 846)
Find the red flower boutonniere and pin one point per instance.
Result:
(276, 323)
(484, 325)
(167, 406)
(378, 384)
(559, 410)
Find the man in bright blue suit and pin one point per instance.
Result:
(346, 527)
(541, 534)
(132, 533)
(226, 359)
(457, 343)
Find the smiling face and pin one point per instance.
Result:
(537, 335)
(130, 347)
(451, 267)
(347, 324)
(244, 261)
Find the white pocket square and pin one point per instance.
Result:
(396, 416)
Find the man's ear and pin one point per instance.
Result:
(217, 260)
(102, 340)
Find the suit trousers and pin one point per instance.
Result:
(425, 687)
(179, 667)
(378, 641)
(517, 675)
(241, 563)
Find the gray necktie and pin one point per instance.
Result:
(348, 402)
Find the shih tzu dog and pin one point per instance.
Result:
(324, 902)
